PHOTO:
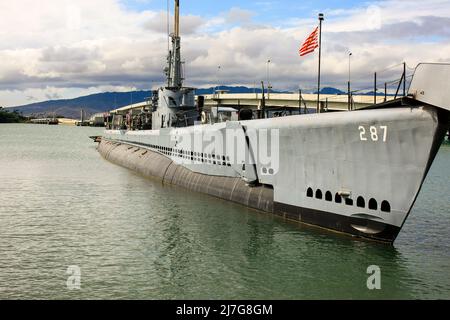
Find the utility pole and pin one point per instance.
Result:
(321, 18)
(375, 89)
(263, 102)
(299, 101)
(349, 82)
(268, 79)
(404, 79)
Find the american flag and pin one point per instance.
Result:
(310, 44)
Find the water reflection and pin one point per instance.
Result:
(252, 255)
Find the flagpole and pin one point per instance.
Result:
(321, 18)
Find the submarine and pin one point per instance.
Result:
(357, 172)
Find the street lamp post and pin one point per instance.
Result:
(218, 93)
(321, 18)
(349, 82)
(268, 79)
(218, 79)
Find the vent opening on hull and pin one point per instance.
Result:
(309, 193)
(348, 201)
(373, 205)
(318, 194)
(338, 198)
(361, 203)
(385, 206)
(328, 196)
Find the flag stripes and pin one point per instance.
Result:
(310, 44)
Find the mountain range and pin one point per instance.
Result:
(102, 102)
(94, 103)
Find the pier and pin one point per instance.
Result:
(48, 121)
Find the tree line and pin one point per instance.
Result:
(7, 116)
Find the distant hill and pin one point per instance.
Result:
(94, 103)
(239, 89)
(379, 93)
(334, 91)
(102, 102)
(330, 90)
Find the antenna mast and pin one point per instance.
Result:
(177, 18)
(173, 70)
(168, 26)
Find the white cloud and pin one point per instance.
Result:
(188, 24)
(66, 48)
(378, 13)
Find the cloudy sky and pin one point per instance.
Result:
(53, 49)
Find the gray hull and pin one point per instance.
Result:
(357, 173)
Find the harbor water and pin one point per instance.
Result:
(62, 205)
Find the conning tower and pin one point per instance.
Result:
(174, 105)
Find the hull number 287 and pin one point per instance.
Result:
(373, 133)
